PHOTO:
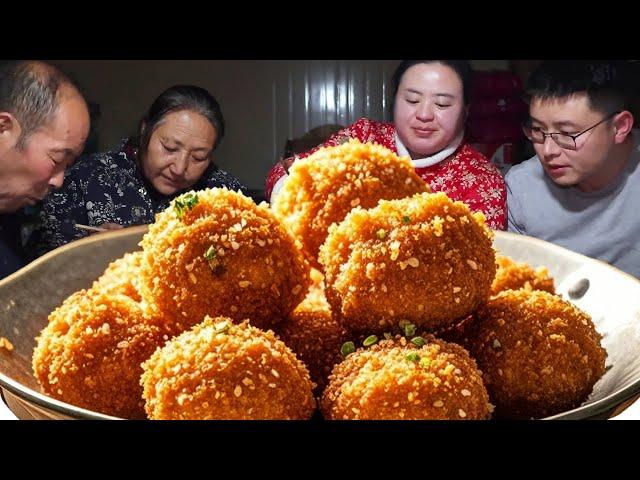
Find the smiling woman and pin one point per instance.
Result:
(129, 185)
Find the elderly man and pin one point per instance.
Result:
(44, 122)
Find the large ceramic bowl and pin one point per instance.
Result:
(26, 298)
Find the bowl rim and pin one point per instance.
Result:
(28, 394)
(582, 412)
(67, 246)
(604, 404)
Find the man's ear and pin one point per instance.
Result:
(622, 123)
(9, 126)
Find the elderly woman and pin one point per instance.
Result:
(431, 99)
(128, 186)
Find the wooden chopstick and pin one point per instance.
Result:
(90, 228)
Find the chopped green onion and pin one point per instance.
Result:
(413, 357)
(370, 340)
(347, 349)
(211, 253)
(409, 330)
(184, 203)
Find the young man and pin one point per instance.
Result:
(582, 189)
(44, 122)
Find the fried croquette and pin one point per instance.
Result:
(425, 259)
(218, 370)
(90, 353)
(540, 354)
(313, 335)
(511, 275)
(122, 276)
(397, 379)
(322, 188)
(215, 252)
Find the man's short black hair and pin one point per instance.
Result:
(609, 85)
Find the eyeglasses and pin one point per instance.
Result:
(563, 140)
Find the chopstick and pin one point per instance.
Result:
(90, 228)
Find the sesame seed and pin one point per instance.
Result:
(355, 202)
(466, 393)
(247, 382)
(414, 262)
(296, 289)
(237, 391)
(462, 413)
(4, 343)
(438, 403)
(275, 373)
(496, 343)
(235, 245)
(260, 242)
(472, 264)
(244, 283)
(456, 289)
(193, 278)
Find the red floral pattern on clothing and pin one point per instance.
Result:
(466, 175)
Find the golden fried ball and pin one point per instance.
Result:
(425, 259)
(511, 275)
(122, 276)
(323, 187)
(218, 370)
(215, 252)
(397, 380)
(313, 335)
(540, 354)
(90, 353)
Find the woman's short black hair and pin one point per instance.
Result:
(177, 98)
(461, 67)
